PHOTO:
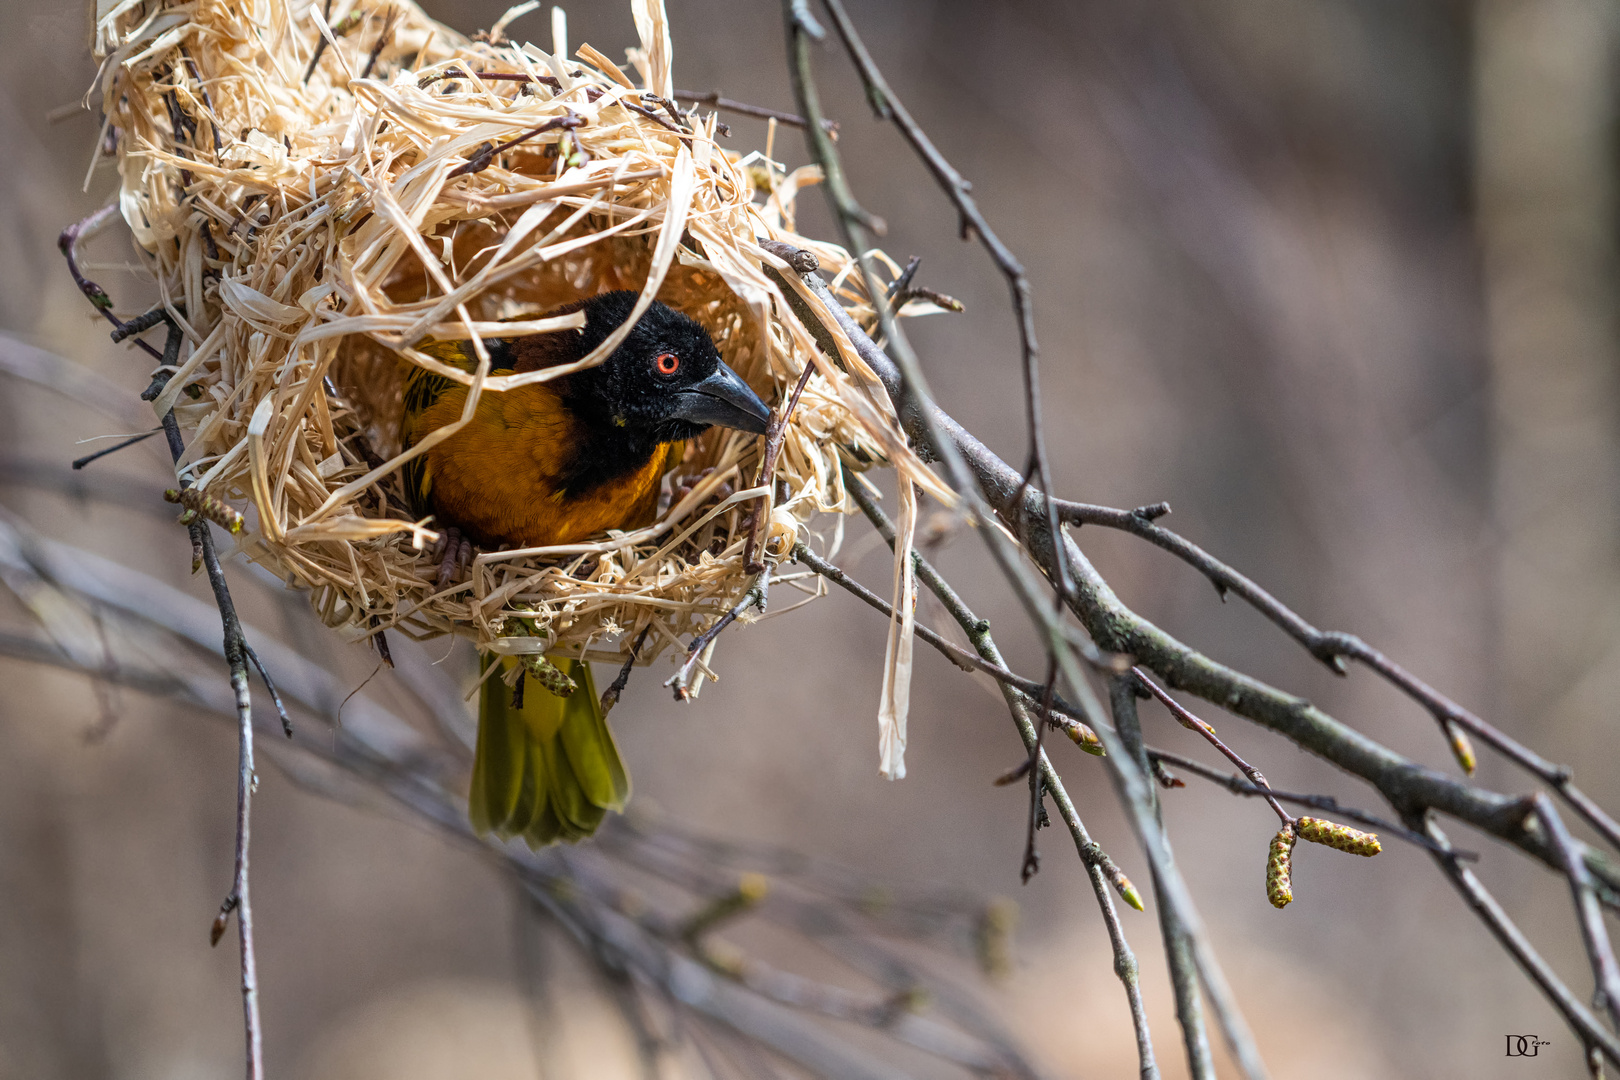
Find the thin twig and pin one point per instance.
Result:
(756, 595)
(382, 40)
(1099, 867)
(79, 463)
(1581, 1020)
(208, 103)
(1605, 971)
(1037, 810)
(236, 658)
(713, 99)
(140, 324)
(485, 154)
(1192, 723)
(957, 655)
(320, 46)
(901, 297)
(610, 696)
(775, 433)
(491, 76)
(68, 244)
(1237, 785)
(654, 117)
(1332, 647)
(1179, 946)
(275, 696)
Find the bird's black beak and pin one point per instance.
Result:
(724, 399)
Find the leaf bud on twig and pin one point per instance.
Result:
(751, 889)
(1115, 875)
(1462, 748)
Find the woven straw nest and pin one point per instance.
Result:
(306, 235)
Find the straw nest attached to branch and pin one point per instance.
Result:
(307, 231)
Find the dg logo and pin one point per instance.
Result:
(1524, 1045)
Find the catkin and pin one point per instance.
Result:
(1342, 837)
(549, 675)
(1279, 868)
(199, 504)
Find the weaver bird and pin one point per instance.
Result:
(554, 463)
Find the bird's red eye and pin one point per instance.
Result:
(667, 363)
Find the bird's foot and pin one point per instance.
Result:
(685, 484)
(454, 553)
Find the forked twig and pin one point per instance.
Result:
(759, 112)
(775, 433)
(903, 379)
(237, 656)
(755, 595)
(1577, 1015)
(957, 655)
(68, 243)
(1605, 971)
(1101, 869)
(1237, 785)
(1192, 723)
(1332, 647)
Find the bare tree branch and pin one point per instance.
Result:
(771, 1006)
(1179, 944)
(589, 890)
(247, 781)
(1117, 628)
(1237, 785)
(235, 650)
(930, 426)
(1099, 867)
(1187, 720)
(1331, 647)
(1578, 1016)
(1605, 972)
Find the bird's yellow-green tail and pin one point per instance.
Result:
(548, 769)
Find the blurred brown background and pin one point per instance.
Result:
(1334, 277)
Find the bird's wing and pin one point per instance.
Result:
(422, 389)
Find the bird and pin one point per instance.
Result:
(555, 463)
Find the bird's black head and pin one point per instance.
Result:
(665, 381)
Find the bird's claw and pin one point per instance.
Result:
(454, 552)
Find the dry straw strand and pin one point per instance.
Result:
(307, 235)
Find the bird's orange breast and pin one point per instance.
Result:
(501, 479)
